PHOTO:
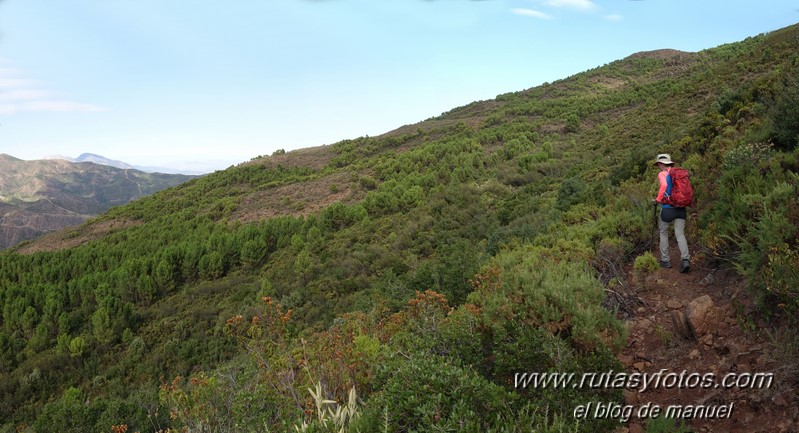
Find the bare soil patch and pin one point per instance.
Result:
(299, 199)
(314, 158)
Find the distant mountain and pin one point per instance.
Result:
(99, 159)
(46, 195)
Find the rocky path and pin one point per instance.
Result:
(695, 330)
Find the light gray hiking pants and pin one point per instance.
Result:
(679, 233)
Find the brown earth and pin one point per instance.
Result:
(73, 237)
(727, 334)
(662, 54)
(314, 158)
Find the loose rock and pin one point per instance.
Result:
(703, 315)
(626, 360)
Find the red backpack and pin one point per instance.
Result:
(682, 193)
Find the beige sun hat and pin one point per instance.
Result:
(663, 158)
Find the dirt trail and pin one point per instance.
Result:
(729, 339)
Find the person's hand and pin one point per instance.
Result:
(654, 201)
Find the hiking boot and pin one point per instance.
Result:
(666, 265)
(685, 266)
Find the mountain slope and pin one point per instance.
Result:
(425, 267)
(37, 197)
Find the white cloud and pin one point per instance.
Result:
(580, 5)
(614, 17)
(531, 13)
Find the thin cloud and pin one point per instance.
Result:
(580, 5)
(6, 71)
(8, 108)
(59, 106)
(21, 94)
(532, 13)
(15, 83)
(614, 17)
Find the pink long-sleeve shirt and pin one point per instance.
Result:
(665, 186)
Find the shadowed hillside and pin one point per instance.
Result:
(404, 281)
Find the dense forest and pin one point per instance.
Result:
(397, 283)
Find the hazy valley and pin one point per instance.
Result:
(41, 196)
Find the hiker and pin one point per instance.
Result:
(669, 213)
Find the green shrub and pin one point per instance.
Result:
(785, 111)
(646, 263)
(663, 424)
(560, 296)
(572, 191)
(754, 224)
(430, 393)
(74, 412)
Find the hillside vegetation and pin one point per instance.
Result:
(397, 283)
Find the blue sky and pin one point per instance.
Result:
(206, 84)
